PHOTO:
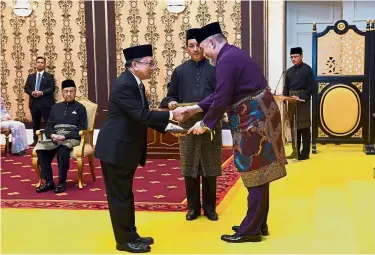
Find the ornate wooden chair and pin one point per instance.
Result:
(84, 149)
(6, 132)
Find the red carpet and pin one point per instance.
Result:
(158, 186)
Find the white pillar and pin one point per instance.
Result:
(276, 44)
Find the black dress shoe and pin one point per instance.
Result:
(192, 214)
(240, 238)
(146, 240)
(264, 230)
(45, 187)
(133, 247)
(303, 157)
(211, 215)
(61, 187)
(293, 155)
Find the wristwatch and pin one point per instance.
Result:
(204, 125)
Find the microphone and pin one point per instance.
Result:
(278, 82)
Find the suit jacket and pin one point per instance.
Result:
(122, 139)
(47, 86)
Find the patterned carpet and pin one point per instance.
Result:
(158, 186)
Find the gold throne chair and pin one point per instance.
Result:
(84, 149)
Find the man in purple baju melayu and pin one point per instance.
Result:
(255, 123)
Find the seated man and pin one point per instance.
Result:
(17, 129)
(62, 131)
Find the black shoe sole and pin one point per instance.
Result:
(246, 240)
(122, 248)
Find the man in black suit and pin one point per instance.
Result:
(40, 86)
(122, 144)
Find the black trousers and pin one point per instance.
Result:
(37, 112)
(303, 133)
(119, 187)
(208, 193)
(45, 158)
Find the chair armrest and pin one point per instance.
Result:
(40, 133)
(85, 132)
(81, 146)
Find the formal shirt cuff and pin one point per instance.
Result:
(170, 115)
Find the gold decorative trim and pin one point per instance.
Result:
(321, 133)
(220, 10)
(203, 16)
(134, 19)
(359, 85)
(120, 37)
(49, 23)
(169, 52)
(341, 26)
(358, 134)
(18, 56)
(33, 39)
(322, 85)
(67, 38)
(82, 54)
(184, 27)
(236, 17)
(4, 65)
(152, 37)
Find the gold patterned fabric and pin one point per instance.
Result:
(200, 156)
(300, 111)
(60, 129)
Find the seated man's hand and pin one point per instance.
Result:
(57, 138)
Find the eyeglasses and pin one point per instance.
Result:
(151, 64)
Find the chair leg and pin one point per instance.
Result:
(7, 145)
(36, 167)
(92, 168)
(80, 171)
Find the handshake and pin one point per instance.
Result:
(185, 112)
(182, 114)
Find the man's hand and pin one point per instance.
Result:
(178, 115)
(295, 97)
(191, 110)
(197, 129)
(36, 93)
(57, 138)
(172, 105)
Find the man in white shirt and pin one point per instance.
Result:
(40, 86)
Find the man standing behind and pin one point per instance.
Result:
(122, 144)
(299, 83)
(40, 86)
(191, 82)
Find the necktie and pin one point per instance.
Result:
(141, 89)
(38, 83)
